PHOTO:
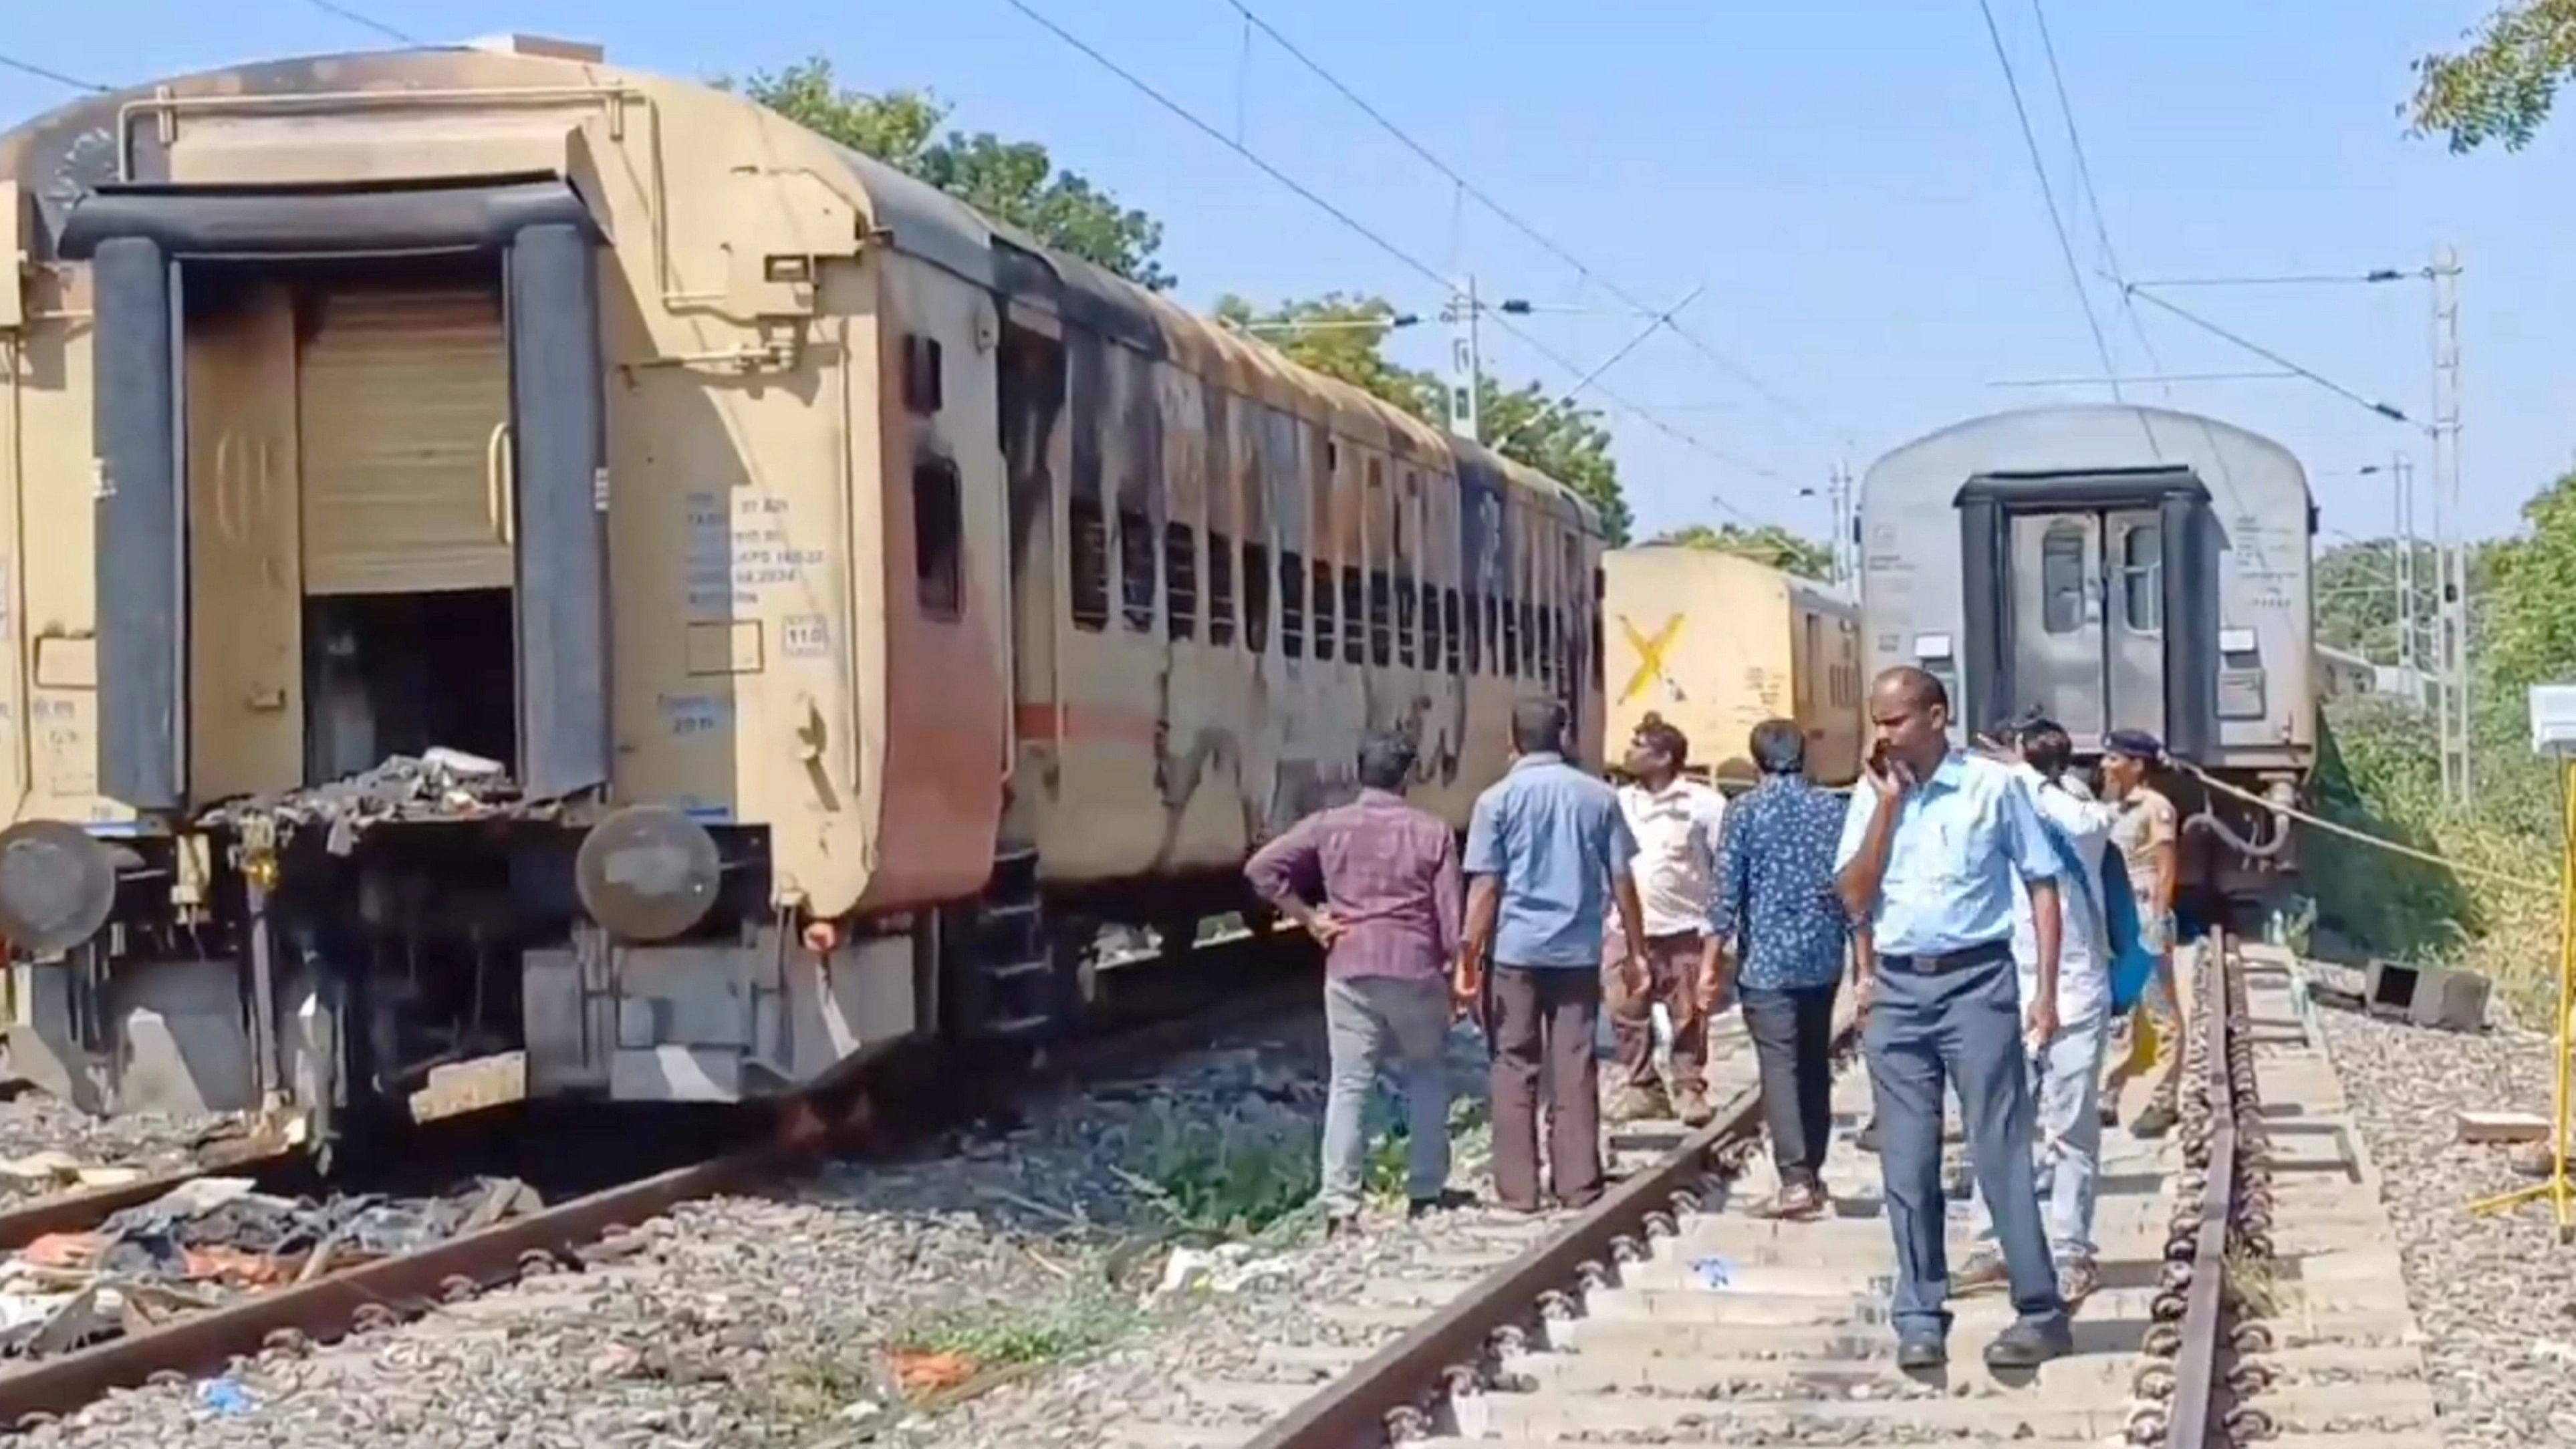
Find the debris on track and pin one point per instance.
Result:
(208, 1241)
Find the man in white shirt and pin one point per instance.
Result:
(1676, 823)
(2065, 1071)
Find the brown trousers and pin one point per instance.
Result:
(1535, 1016)
(1672, 969)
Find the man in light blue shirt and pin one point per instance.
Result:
(1931, 849)
(1548, 851)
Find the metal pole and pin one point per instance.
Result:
(2453, 542)
(2407, 615)
(1466, 362)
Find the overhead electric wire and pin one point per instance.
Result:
(2385, 410)
(328, 7)
(29, 67)
(2093, 196)
(1546, 243)
(2048, 194)
(1378, 240)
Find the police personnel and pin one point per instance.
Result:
(1930, 849)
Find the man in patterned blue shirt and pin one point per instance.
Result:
(1776, 906)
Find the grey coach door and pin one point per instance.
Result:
(2057, 625)
(556, 407)
(2134, 572)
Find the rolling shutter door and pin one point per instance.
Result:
(402, 394)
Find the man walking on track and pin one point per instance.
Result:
(1775, 908)
(1387, 873)
(1929, 853)
(1549, 853)
(1675, 821)
(2148, 838)
(2067, 1153)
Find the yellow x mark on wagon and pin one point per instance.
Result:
(1650, 652)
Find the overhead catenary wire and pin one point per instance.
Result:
(46, 73)
(2048, 194)
(1377, 239)
(2093, 202)
(2385, 410)
(356, 17)
(1715, 356)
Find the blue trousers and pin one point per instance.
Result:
(1961, 1027)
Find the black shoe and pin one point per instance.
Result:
(1423, 1207)
(1915, 1351)
(1340, 1225)
(2027, 1345)
(1866, 1139)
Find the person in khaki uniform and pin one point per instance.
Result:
(2148, 836)
(1676, 823)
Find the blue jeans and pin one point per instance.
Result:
(2066, 1150)
(1925, 1031)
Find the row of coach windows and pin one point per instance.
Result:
(1372, 617)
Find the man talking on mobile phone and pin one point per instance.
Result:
(1930, 850)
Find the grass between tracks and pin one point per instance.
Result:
(1199, 1180)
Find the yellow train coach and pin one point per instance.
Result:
(1716, 643)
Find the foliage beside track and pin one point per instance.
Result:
(2378, 772)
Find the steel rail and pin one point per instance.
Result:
(2194, 1419)
(1352, 1412)
(394, 1288)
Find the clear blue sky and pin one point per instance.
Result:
(1846, 180)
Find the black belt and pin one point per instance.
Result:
(1934, 965)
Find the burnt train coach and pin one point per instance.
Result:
(2114, 567)
(515, 554)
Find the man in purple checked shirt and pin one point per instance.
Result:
(1387, 875)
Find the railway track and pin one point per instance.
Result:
(900, 1102)
(2251, 1293)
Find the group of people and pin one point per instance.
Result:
(1979, 901)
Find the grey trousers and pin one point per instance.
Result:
(1399, 1026)
(1961, 1026)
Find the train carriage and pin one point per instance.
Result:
(1716, 643)
(2114, 567)
(513, 553)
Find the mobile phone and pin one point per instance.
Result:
(1878, 758)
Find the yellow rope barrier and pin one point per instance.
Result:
(2561, 1194)
(2364, 836)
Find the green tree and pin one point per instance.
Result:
(2500, 86)
(1538, 429)
(1344, 337)
(1768, 544)
(1011, 181)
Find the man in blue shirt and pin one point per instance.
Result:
(1930, 850)
(1548, 851)
(1775, 906)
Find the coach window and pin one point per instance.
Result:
(1354, 609)
(1430, 628)
(1136, 568)
(1256, 598)
(938, 539)
(2061, 578)
(1511, 641)
(1475, 622)
(1547, 655)
(1088, 543)
(1323, 600)
(1453, 658)
(1180, 580)
(1220, 589)
(2142, 578)
(1292, 604)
